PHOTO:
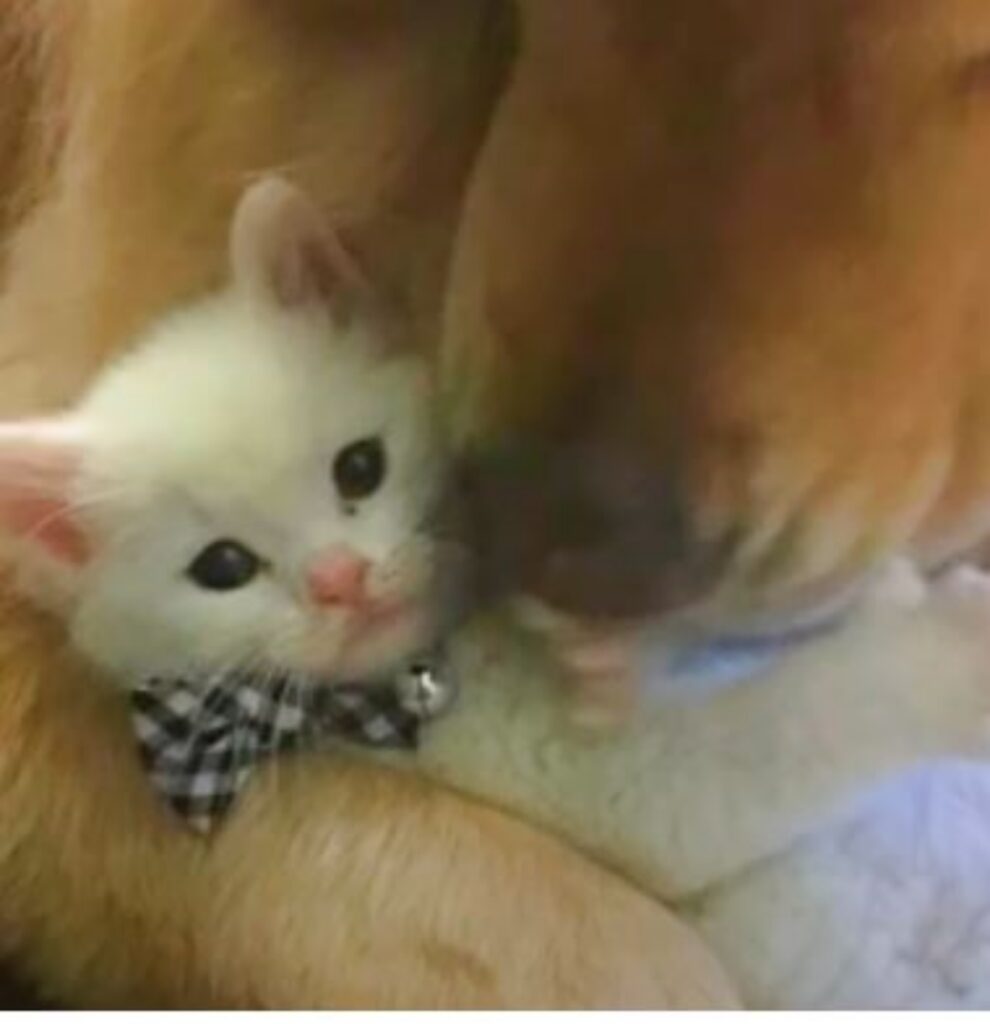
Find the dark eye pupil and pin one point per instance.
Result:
(358, 469)
(224, 565)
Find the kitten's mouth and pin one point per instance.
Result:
(369, 637)
(374, 616)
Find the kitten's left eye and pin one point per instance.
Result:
(224, 565)
(359, 468)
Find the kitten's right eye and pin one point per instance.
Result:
(224, 565)
(359, 468)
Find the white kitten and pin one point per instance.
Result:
(251, 487)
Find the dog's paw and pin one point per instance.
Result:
(801, 525)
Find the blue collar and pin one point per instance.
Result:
(725, 659)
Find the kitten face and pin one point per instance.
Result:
(253, 487)
(213, 548)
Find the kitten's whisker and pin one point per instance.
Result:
(68, 510)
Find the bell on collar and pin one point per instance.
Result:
(424, 691)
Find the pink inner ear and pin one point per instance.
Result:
(299, 275)
(47, 523)
(39, 460)
(282, 248)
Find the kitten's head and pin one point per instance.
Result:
(252, 487)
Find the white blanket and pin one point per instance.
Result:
(827, 824)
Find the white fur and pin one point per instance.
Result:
(820, 823)
(224, 422)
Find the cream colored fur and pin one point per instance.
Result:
(821, 822)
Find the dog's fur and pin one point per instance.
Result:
(731, 258)
(335, 884)
(349, 886)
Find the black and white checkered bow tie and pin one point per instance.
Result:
(200, 743)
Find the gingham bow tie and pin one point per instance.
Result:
(200, 743)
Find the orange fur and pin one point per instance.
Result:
(336, 884)
(744, 246)
(350, 886)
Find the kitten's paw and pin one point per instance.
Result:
(598, 664)
(601, 676)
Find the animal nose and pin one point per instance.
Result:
(338, 577)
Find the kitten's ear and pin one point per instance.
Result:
(282, 250)
(39, 462)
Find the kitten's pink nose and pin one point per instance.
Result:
(338, 577)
